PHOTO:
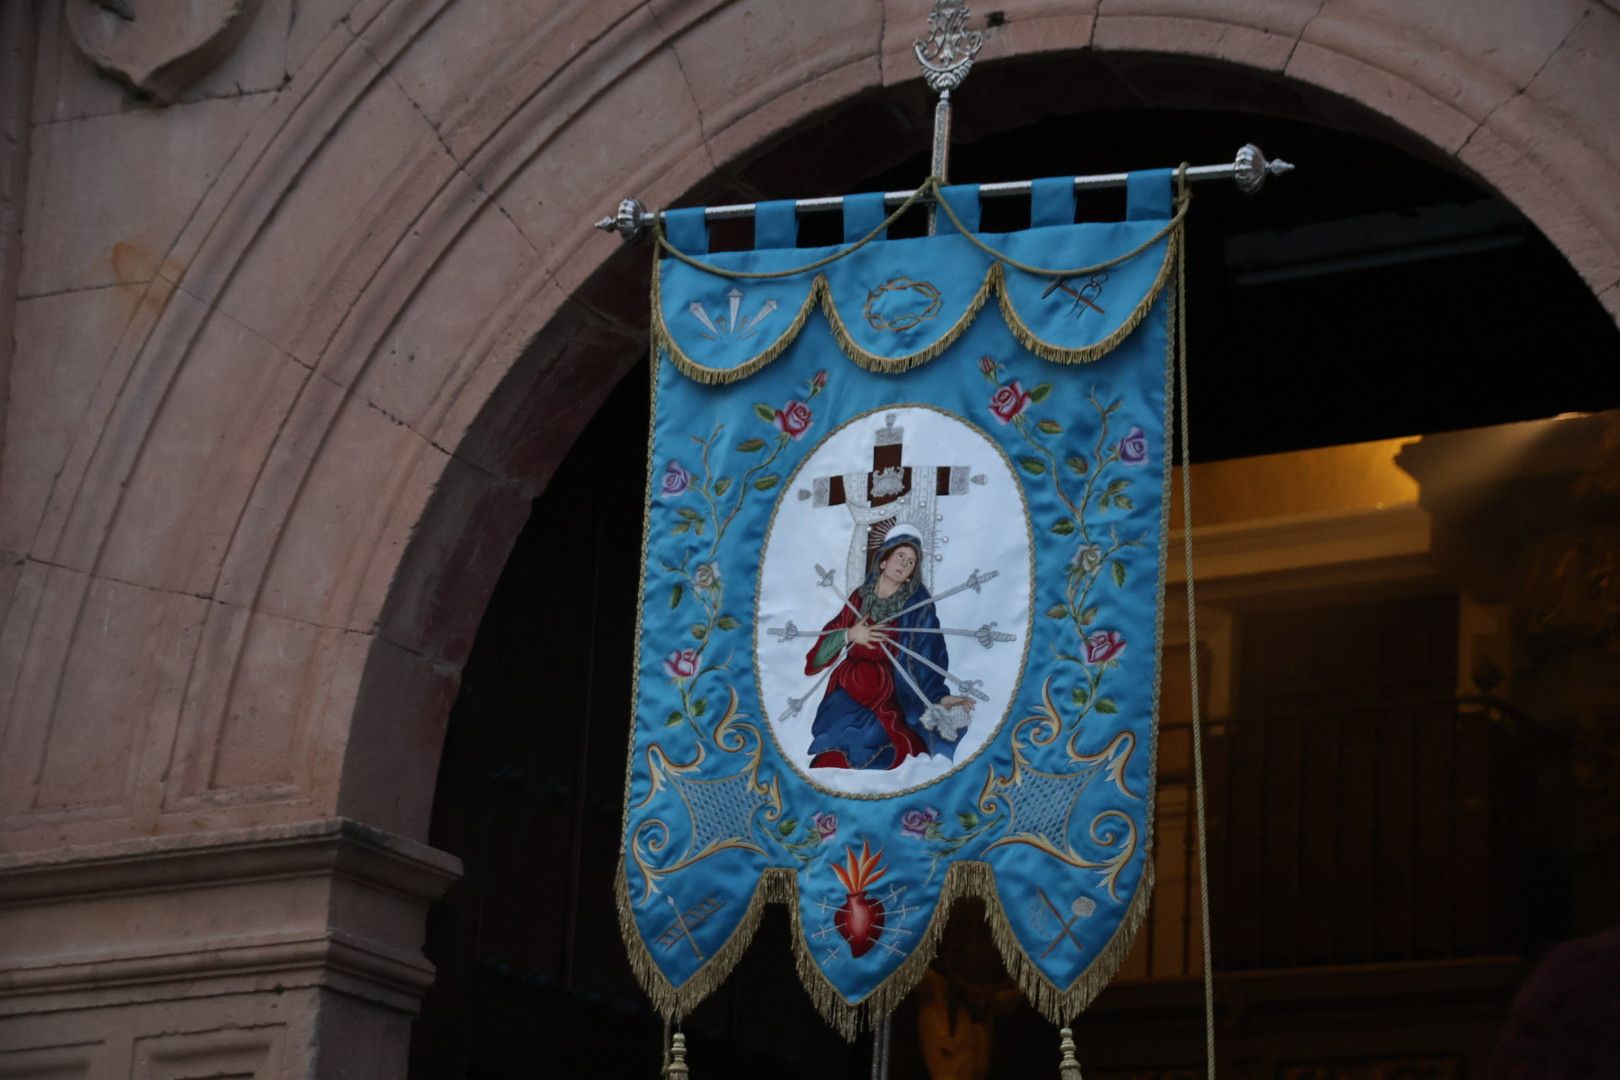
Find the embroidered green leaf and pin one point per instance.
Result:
(1113, 406)
(1117, 486)
(1078, 464)
(1103, 502)
(675, 595)
(787, 825)
(754, 446)
(1063, 527)
(1088, 616)
(673, 718)
(766, 482)
(1057, 611)
(1119, 573)
(1033, 466)
(1080, 695)
(681, 527)
(968, 818)
(700, 706)
(765, 412)
(1050, 427)
(1038, 394)
(721, 486)
(1106, 705)
(688, 513)
(697, 526)
(726, 622)
(699, 631)
(1123, 502)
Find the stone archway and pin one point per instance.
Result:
(248, 577)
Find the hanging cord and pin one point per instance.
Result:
(1075, 271)
(929, 185)
(1180, 317)
(931, 188)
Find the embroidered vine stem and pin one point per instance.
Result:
(748, 479)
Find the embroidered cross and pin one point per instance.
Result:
(891, 479)
(1064, 924)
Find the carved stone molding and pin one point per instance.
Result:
(157, 46)
(327, 904)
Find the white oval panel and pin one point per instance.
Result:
(932, 473)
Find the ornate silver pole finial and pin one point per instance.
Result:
(627, 222)
(1251, 168)
(947, 53)
(946, 56)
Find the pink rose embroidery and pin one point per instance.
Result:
(916, 823)
(826, 825)
(676, 480)
(818, 382)
(1133, 448)
(682, 663)
(988, 366)
(1009, 400)
(794, 418)
(1103, 645)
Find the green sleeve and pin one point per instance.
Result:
(829, 648)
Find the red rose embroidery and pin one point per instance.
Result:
(988, 366)
(794, 418)
(682, 663)
(1103, 645)
(1008, 401)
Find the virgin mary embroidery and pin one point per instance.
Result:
(886, 699)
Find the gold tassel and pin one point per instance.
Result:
(1069, 1066)
(676, 1070)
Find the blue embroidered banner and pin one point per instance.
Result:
(900, 605)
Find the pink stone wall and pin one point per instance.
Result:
(286, 359)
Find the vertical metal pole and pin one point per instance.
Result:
(880, 1050)
(942, 148)
(946, 56)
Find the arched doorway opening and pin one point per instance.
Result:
(1361, 304)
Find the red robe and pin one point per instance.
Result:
(867, 676)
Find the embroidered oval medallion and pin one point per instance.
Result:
(893, 602)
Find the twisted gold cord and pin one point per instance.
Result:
(1180, 317)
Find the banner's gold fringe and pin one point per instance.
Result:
(820, 294)
(964, 879)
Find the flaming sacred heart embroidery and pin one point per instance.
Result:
(860, 919)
